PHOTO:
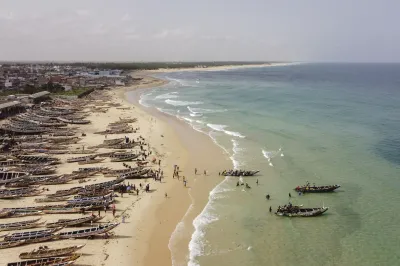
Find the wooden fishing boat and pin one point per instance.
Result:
(57, 181)
(239, 173)
(316, 189)
(37, 158)
(76, 199)
(35, 238)
(122, 146)
(91, 161)
(89, 232)
(11, 244)
(90, 170)
(65, 210)
(80, 159)
(113, 141)
(108, 184)
(71, 222)
(298, 211)
(88, 151)
(21, 212)
(54, 199)
(10, 177)
(23, 235)
(93, 193)
(73, 121)
(21, 222)
(46, 261)
(66, 192)
(45, 252)
(19, 226)
(124, 158)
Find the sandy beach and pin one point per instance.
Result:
(150, 218)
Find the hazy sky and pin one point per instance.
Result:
(200, 30)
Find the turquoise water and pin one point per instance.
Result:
(322, 123)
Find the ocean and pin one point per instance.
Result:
(321, 123)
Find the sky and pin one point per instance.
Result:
(200, 30)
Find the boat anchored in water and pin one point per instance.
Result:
(316, 189)
(298, 211)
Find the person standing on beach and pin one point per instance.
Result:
(257, 182)
(195, 171)
(205, 172)
(105, 209)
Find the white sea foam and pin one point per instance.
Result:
(168, 95)
(271, 154)
(166, 111)
(221, 128)
(205, 218)
(181, 103)
(205, 111)
(195, 114)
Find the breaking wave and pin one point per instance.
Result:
(181, 103)
(221, 128)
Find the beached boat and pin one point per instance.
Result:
(123, 157)
(104, 185)
(23, 235)
(11, 244)
(298, 211)
(10, 177)
(316, 189)
(91, 161)
(38, 159)
(66, 210)
(71, 222)
(73, 121)
(54, 199)
(93, 193)
(20, 225)
(113, 141)
(82, 158)
(65, 192)
(35, 238)
(46, 261)
(89, 232)
(45, 252)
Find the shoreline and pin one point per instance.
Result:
(197, 146)
(215, 68)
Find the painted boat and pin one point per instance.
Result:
(45, 252)
(297, 211)
(10, 177)
(71, 222)
(46, 261)
(101, 229)
(11, 244)
(316, 189)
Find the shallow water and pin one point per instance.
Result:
(323, 123)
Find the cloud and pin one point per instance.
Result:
(7, 15)
(217, 37)
(126, 17)
(133, 36)
(172, 33)
(82, 12)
